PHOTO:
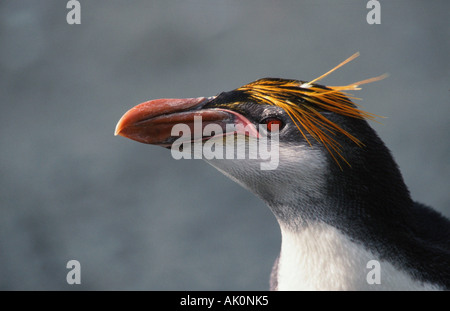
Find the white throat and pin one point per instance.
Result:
(319, 257)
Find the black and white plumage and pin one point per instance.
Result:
(338, 195)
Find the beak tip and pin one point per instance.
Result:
(118, 128)
(122, 124)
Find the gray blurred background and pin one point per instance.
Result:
(135, 218)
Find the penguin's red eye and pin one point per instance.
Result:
(271, 122)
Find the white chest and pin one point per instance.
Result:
(321, 258)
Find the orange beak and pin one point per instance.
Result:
(151, 122)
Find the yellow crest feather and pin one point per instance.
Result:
(278, 92)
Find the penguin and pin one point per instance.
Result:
(346, 217)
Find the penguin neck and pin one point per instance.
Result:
(331, 235)
(319, 257)
(328, 240)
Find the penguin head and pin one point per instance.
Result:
(310, 134)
